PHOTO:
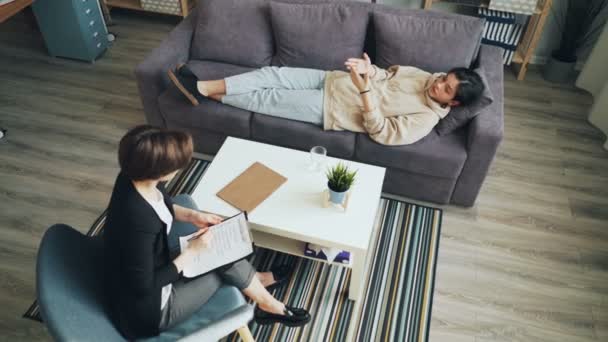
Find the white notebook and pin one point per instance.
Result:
(231, 241)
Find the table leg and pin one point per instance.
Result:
(358, 260)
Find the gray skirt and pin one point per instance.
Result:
(188, 295)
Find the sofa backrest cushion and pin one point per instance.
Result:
(461, 115)
(318, 35)
(233, 31)
(427, 40)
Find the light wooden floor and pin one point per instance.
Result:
(528, 263)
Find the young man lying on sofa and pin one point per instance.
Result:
(397, 106)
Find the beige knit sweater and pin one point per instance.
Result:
(403, 111)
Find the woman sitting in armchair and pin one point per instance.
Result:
(143, 264)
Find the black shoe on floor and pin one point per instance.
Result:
(281, 274)
(186, 84)
(292, 317)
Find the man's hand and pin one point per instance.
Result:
(361, 82)
(202, 220)
(360, 66)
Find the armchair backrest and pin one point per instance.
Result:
(69, 286)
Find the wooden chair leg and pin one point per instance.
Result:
(185, 8)
(245, 334)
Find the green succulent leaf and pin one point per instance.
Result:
(340, 178)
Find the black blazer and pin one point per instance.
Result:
(137, 262)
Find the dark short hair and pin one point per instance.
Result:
(148, 152)
(471, 86)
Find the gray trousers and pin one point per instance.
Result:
(188, 295)
(291, 93)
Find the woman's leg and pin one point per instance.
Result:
(269, 310)
(242, 275)
(187, 297)
(265, 78)
(211, 88)
(300, 105)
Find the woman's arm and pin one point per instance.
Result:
(364, 66)
(367, 102)
(201, 242)
(379, 74)
(141, 275)
(197, 218)
(183, 214)
(182, 260)
(396, 130)
(138, 259)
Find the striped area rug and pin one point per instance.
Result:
(396, 305)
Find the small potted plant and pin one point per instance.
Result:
(339, 180)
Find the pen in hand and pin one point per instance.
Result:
(199, 234)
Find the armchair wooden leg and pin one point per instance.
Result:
(245, 334)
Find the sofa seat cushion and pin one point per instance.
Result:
(233, 31)
(209, 114)
(301, 135)
(434, 155)
(426, 40)
(318, 35)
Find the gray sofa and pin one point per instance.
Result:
(227, 37)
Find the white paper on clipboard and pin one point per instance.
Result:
(231, 241)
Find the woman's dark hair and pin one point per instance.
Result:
(148, 152)
(471, 86)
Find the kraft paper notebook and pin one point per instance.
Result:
(251, 187)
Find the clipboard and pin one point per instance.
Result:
(228, 219)
(252, 187)
(202, 266)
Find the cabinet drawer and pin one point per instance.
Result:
(89, 16)
(83, 4)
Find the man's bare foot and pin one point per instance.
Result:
(266, 278)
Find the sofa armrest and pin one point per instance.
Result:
(151, 74)
(485, 131)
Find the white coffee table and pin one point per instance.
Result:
(294, 214)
